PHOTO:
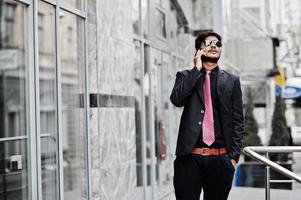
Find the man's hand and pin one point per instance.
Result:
(233, 163)
(197, 59)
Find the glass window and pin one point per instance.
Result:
(162, 120)
(41, 25)
(79, 4)
(13, 101)
(136, 16)
(144, 5)
(8, 10)
(48, 99)
(73, 107)
(160, 23)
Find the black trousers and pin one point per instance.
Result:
(213, 174)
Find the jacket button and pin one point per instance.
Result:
(202, 111)
(200, 123)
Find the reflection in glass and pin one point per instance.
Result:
(161, 120)
(48, 111)
(79, 4)
(13, 170)
(13, 102)
(135, 16)
(73, 110)
(144, 5)
(160, 23)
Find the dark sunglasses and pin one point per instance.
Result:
(208, 43)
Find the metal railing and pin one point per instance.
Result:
(253, 151)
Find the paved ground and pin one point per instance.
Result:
(239, 193)
(246, 193)
(297, 169)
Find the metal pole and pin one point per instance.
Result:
(252, 152)
(267, 180)
(273, 149)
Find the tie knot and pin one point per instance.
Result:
(208, 72)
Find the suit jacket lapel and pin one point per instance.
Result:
(200, 84)
(221, 85)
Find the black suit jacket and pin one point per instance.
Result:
(188, 92)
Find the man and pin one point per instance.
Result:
(211, 128)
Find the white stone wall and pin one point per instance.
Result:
(112, 132)
(111, 72)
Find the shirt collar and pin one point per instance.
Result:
(213, 71)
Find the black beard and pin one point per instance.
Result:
(209, 59)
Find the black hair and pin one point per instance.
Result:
(203, 35)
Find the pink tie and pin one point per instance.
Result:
(208, 124)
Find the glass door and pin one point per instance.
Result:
(161, 170)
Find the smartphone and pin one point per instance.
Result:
(202, 56)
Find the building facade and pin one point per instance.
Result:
(84, 95)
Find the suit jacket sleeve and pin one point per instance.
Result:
(238, 122)
(185, 82)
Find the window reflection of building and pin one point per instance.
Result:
(8, 12)
(40, 30)
(145, 18)
(13, 102)
(136, 16)
(47, 100)
(76, 3)
(73, 87)
(160, 19)
(139, 104)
